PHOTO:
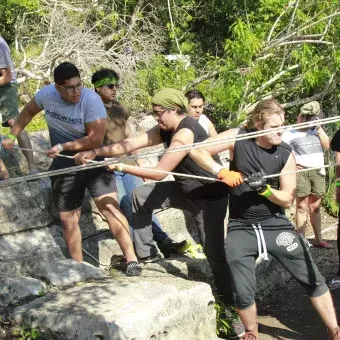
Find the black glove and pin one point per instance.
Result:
(257, 182)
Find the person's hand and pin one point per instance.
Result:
(231, 178)
(8, 143)
(84, 157)
(115, 166)
(257, 182)
(299, 167)
(53, 152)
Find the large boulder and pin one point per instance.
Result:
(129, 308)
(13, 289)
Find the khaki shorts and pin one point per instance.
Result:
(8, 102)
(310, 182)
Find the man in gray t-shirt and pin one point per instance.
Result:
(9, 105)
(76, 120)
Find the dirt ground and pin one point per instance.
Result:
(287, 313)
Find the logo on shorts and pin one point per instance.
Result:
(292, 246)
(285, 239)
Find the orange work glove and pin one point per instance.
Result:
(231, 178)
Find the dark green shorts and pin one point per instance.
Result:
(310, 182)
(8, 102)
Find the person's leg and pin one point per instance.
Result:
(315, 218)
(108, 206)
(24, 142)
(290, 250)
(324, 306)
(124, 200)
(131, 183)
(68, 192)
(241, 252)
(210, 222)
(102, 187)
(3, 171)
(71, 231)
(301, 214)
(335, 282)
(146, 199)
(318, 190)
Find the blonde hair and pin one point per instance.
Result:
(263, 109)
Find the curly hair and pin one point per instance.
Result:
(263, 109)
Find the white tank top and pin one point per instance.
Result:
(204, 122)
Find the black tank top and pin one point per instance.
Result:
(246, 204)
(191, 186)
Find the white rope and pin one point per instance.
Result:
(177, 149)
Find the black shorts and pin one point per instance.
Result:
(69, 190)
(283, 243)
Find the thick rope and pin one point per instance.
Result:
(116, 160)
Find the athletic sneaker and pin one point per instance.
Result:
(133, 268)
(168, 247)
(196, 251)
(149, 259)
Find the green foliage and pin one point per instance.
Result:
(26, 333)
(222, 323)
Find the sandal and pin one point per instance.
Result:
(133, 268)
(334, 283)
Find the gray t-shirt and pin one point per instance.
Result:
(5, 59)
(66, 121)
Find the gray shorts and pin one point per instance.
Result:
(283, 243)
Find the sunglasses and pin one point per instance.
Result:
(112, 86)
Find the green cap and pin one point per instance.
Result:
(310, 109)
(170, 99)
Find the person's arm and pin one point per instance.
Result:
(149, 138)
(94, 138)
(215, 149)
(204, 159)
(284, 197)
(6, 76)
(211, 129)
(169, 160)
(24, 118)
(129, 134)
(324, 140)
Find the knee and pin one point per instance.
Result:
(318, 290)
(301, 209)
(244, 302)
(314, 209)
(69, 227)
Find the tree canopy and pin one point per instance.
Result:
(236, 52)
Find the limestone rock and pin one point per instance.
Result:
(29, 247)
(66, 272)
(23, 206)
(12, 289)
(164, 308)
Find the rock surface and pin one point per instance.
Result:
(66, 272)
(12, 289)
(125, 309)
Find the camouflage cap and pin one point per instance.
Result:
(310, 109)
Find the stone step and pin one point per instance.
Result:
(158, 307)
